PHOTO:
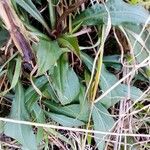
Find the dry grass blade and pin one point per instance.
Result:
(71, 9)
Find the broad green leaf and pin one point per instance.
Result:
(37, 113)
(64, 120)
(32, 10)
(120, 12)
(73, 110)
(107, 80)
(71, 43)
(102, 122)
(40, 135)
(38, 116)
(77, 111)
(22, 133)
(65, 82)
(48, 52)
(87, 60)
(50, 93)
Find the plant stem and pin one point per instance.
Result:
(52, 14)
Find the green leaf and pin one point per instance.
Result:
(1, 127)
(120, 92)
(88, 61)
(139, 50)
(31, 101)
(39, 116)
(22, 133)
(32, 10)
(3, 36)
(112, 61)
(120, 12)
(16, 72)
(64, 120)
(71, 43)
(102, 122)
(31, 96)
(84, 104)
(107, 80)
(65, 82)
(69, 110)
(142, 47)
(36, 32)
(55, 2)
(133, 1)
(16, 75)
(37, 113)
(140, 77)
(50, 93)
(48, 52)
(77, 111)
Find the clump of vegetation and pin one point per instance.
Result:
(74, 74)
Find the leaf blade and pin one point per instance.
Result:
(22, 133)
(102, 122)
(65, 81)
(120, 12)
(48, 52)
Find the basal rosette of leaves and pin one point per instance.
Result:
(53, 91)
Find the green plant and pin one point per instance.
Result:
(57, 69)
